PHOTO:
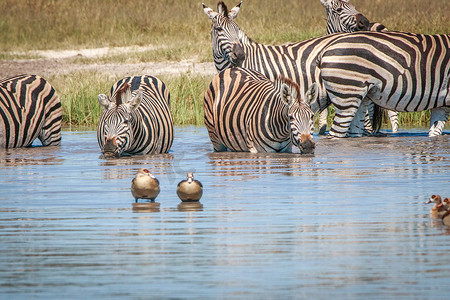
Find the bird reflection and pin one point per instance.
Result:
(146, 207)
(190, 206)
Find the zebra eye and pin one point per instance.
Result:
(217, 28)
(339, 10)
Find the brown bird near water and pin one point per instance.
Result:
(144, 185)
(190, 190)
(438, 209)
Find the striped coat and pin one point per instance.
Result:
(29, 109)
(300, 62)
(245, 111)
(136, 117)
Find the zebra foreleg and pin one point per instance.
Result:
(437, 120)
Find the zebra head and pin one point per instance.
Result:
(343, 17)
(225, 36)
(114, 133)
(300, 116)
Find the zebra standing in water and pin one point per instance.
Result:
(29, 109)
(231, 47)
(245, 111)
(136, 118)
(343, 17)
(423, 60)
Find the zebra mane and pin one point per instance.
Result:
(282, 79)
(120, 93)
(222, 9)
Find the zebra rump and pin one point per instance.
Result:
(397, 71)
(136, 117)
(29, 109)
(245, 111)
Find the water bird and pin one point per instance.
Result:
(190, 189)
(144, 185)
(438, 209)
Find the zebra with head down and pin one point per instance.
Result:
(29, 109)
(136, 117)
(343, 17)
(245, 111)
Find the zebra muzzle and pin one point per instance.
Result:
(362, 23)
(307, 145)
(237, 55)
(110, 148)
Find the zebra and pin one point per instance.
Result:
(246, 112)
(136, 117)
(343, 17)
(301, 61)
(395, 70)
(29, 108)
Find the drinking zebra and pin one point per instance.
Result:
(245, 111)
(424, 62)
(29, 109)
(136, 117)
(343, 17)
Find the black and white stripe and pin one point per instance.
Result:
(136, 117)
(245, 111)
(29, 109)
(300, 62)
(397, 71)
(343, 17)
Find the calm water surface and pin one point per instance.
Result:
(349, 222)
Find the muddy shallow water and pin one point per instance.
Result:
(349, 221)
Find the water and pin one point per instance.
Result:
(348, 222)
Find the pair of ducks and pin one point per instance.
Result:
(146, 186)
(440, 209)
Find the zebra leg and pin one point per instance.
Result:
(393, 117)
(368, 118)
(323, 116)
(357, 126)
(344, 115)
(437, 120)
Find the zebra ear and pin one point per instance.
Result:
(103, 100)
(234, 11)
(135, 101)
(326, 3)
(286, 95)
(209, 12)
(312, 94)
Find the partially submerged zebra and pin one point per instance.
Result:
(245, 111)
(29, 109)
(411, 68)
(343, 17)
(136, 117)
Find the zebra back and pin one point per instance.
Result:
(29, 109)
(136, 117)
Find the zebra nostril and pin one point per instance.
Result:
(362, 22)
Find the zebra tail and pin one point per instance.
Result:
(378, 115)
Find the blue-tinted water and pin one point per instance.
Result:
(349, 222)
